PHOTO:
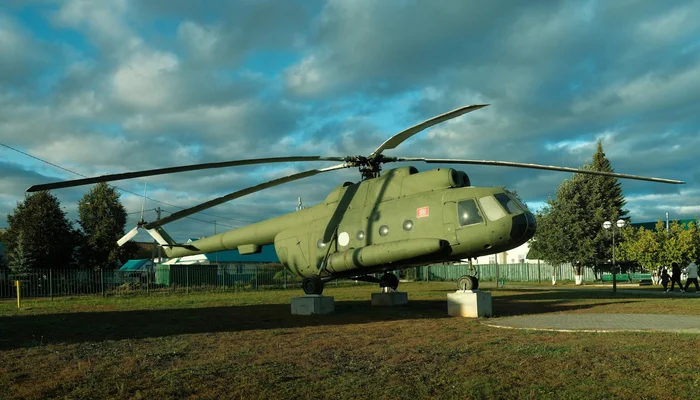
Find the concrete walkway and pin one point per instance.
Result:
(563, 322)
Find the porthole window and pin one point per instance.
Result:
(360, 235)
(407, 225)
(320, 244)
(383, 230)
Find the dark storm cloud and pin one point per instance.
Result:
(23, 57)
(226, 32)
(176, 82)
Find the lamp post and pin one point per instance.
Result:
(608, 225)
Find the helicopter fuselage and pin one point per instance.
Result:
(404, 218)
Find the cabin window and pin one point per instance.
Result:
(507, 203)
(490, 206)
(468, 213)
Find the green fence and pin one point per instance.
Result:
(523, 272)
(190, 278)
(161, 279)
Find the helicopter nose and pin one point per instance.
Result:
(518, 227)
(523, 226)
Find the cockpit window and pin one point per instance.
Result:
(508, 203)
(493, 211)
(517, 201)
(468, 213)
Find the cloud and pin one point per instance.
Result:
(22, 55)
(144, 80)
(103, 87)
(106, 23)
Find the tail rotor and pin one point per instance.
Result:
(139, 224)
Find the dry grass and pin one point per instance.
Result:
(247, 345)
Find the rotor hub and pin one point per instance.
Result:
(370, 167)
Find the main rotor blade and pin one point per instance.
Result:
(241, 193)
(400, 137)
(170, 170)
(538, 166)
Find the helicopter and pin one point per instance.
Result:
(385, 222)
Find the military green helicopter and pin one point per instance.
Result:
(399, 219)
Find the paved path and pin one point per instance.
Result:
(600, 322)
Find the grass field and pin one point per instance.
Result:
(248, 345)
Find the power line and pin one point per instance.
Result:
(139, 212)
(208, 222)
(118, 188)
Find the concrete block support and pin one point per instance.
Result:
(313, 304)
(389, 299)
(469, 303)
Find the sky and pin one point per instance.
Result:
(95, 87)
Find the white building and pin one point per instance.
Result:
(517, 255)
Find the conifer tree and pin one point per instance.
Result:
(102, 219)
(40, 236)
(569, 227)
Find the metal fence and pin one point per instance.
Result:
(197, 278)
(523, 272)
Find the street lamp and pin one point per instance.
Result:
(607, 225)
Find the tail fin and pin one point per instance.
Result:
(157, 233)
(163, 239)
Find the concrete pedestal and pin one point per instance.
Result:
(469, 303)
(313, 304)
(388, 299)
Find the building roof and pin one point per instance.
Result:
(267, 254)
(651, 226)
(134, 265)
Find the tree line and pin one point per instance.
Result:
(40, 236)
(570, 226)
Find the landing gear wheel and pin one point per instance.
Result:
(312, 285)
(389, 280)
(467, 282)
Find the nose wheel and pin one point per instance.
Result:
(389, 280)
(467, 282)
(312, 285)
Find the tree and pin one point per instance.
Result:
(102, 219)
(607, 201)
(659, 247)
(21, 259)
(559, 231)
(680, 245)
(40, 235)
(569, 227)
(641, 246)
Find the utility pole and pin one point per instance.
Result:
(299, 205)
(217, 253)
(160, 256)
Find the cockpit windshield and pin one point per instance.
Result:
(509, 204)
(517, 201)
(493, 211)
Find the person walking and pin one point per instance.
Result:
(665, 277)
(692, 271)
(676, 276)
